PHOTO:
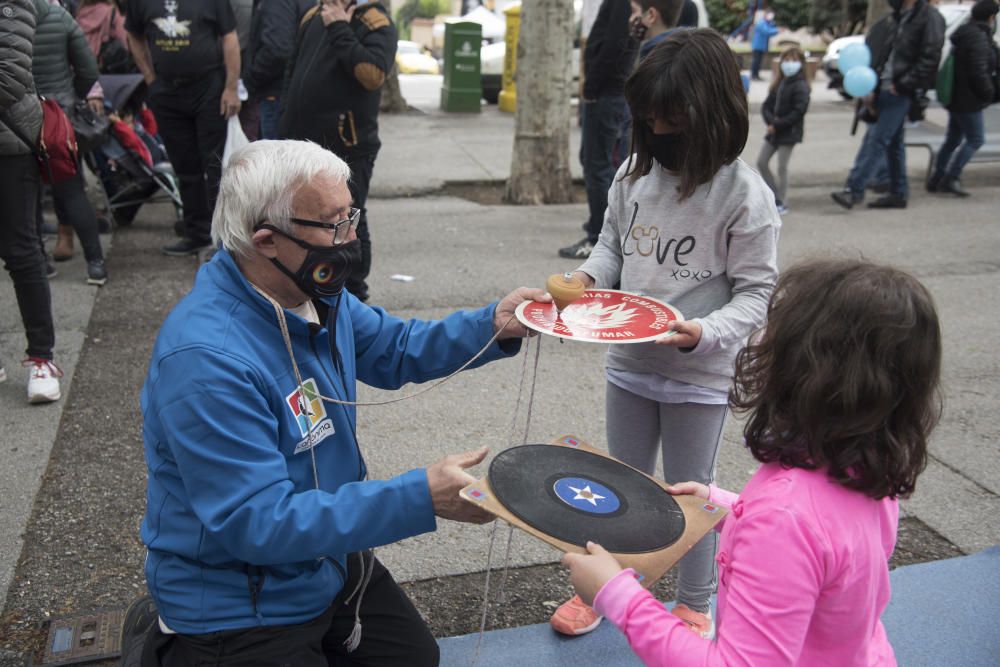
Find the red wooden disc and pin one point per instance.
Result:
(602, 316)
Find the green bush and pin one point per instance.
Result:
(425, 9)
(829, 16)
(725, 15)
(791, 14)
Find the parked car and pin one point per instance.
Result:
(954, 16)
(491, 56)
(412, 58)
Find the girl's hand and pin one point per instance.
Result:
(587, 281)
(688, 333)
(589, 572)
(689, 489)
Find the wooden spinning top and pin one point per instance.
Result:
(564, 288)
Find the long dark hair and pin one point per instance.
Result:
(691, 80)
(845, 376)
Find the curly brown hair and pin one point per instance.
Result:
(845, 376)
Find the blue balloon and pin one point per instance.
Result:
(859, 81)
(853, 55)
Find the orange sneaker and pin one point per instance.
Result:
(575, 618)
(696, 621)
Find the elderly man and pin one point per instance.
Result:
(260, 520)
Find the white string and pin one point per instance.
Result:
(286, 337)
(283, 324)
(486, 595)
(510, 528)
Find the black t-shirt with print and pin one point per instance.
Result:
(183, 35)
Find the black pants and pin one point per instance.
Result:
(194, 133)
(393, 633)
(756, 60)
(361, 178)
(69, 199)
(21, 251)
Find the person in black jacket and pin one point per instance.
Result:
(784, 112)
(272, 39)
(906, 47)
(607, 60)
(189, 55)
(974, 89)
(331, 96)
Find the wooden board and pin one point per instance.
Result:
(700, 517)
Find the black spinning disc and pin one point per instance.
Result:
(575, 496)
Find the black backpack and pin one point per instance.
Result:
(114, 58)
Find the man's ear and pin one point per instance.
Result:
(263, 243)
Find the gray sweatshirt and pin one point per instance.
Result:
(713, 256)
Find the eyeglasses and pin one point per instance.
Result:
(341, 229)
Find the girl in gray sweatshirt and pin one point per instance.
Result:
(688, 223)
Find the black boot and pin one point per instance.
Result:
(953, 186)
(934, 182)
(845, 198)
(888, 201)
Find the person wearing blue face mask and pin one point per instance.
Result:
(784, 111)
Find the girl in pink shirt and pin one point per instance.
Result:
(841, 395)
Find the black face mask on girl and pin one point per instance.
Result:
(325, 269)
(665, 149)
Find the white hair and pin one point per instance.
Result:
(259, 184)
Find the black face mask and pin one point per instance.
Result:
(325, 269)
(665, 149)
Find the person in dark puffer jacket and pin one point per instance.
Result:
(332, 90)
(272, 39)
(65, 70)
(784, 111)
(20, 124)
(906, 48)
(976, 61)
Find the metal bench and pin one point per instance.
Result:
(931, 136)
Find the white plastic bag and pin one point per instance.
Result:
(236, 139)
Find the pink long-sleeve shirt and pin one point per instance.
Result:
(803, 580)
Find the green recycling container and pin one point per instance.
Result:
(462, 89)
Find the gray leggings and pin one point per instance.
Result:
(690, 434)
(763, 166)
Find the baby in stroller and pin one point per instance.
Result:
(132, 164)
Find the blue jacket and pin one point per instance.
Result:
(237, 534)
(763, 31)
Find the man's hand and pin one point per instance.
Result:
(229, 103)
(503, 316)
(589, 572)
(446, 478)
(687, 334)
(337, 10)
(770, 129)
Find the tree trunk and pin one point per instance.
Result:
(539, 170)
(876, 10)
(392, 97)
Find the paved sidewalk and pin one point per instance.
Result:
(463, 254)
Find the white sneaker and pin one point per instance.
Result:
(43, 380)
